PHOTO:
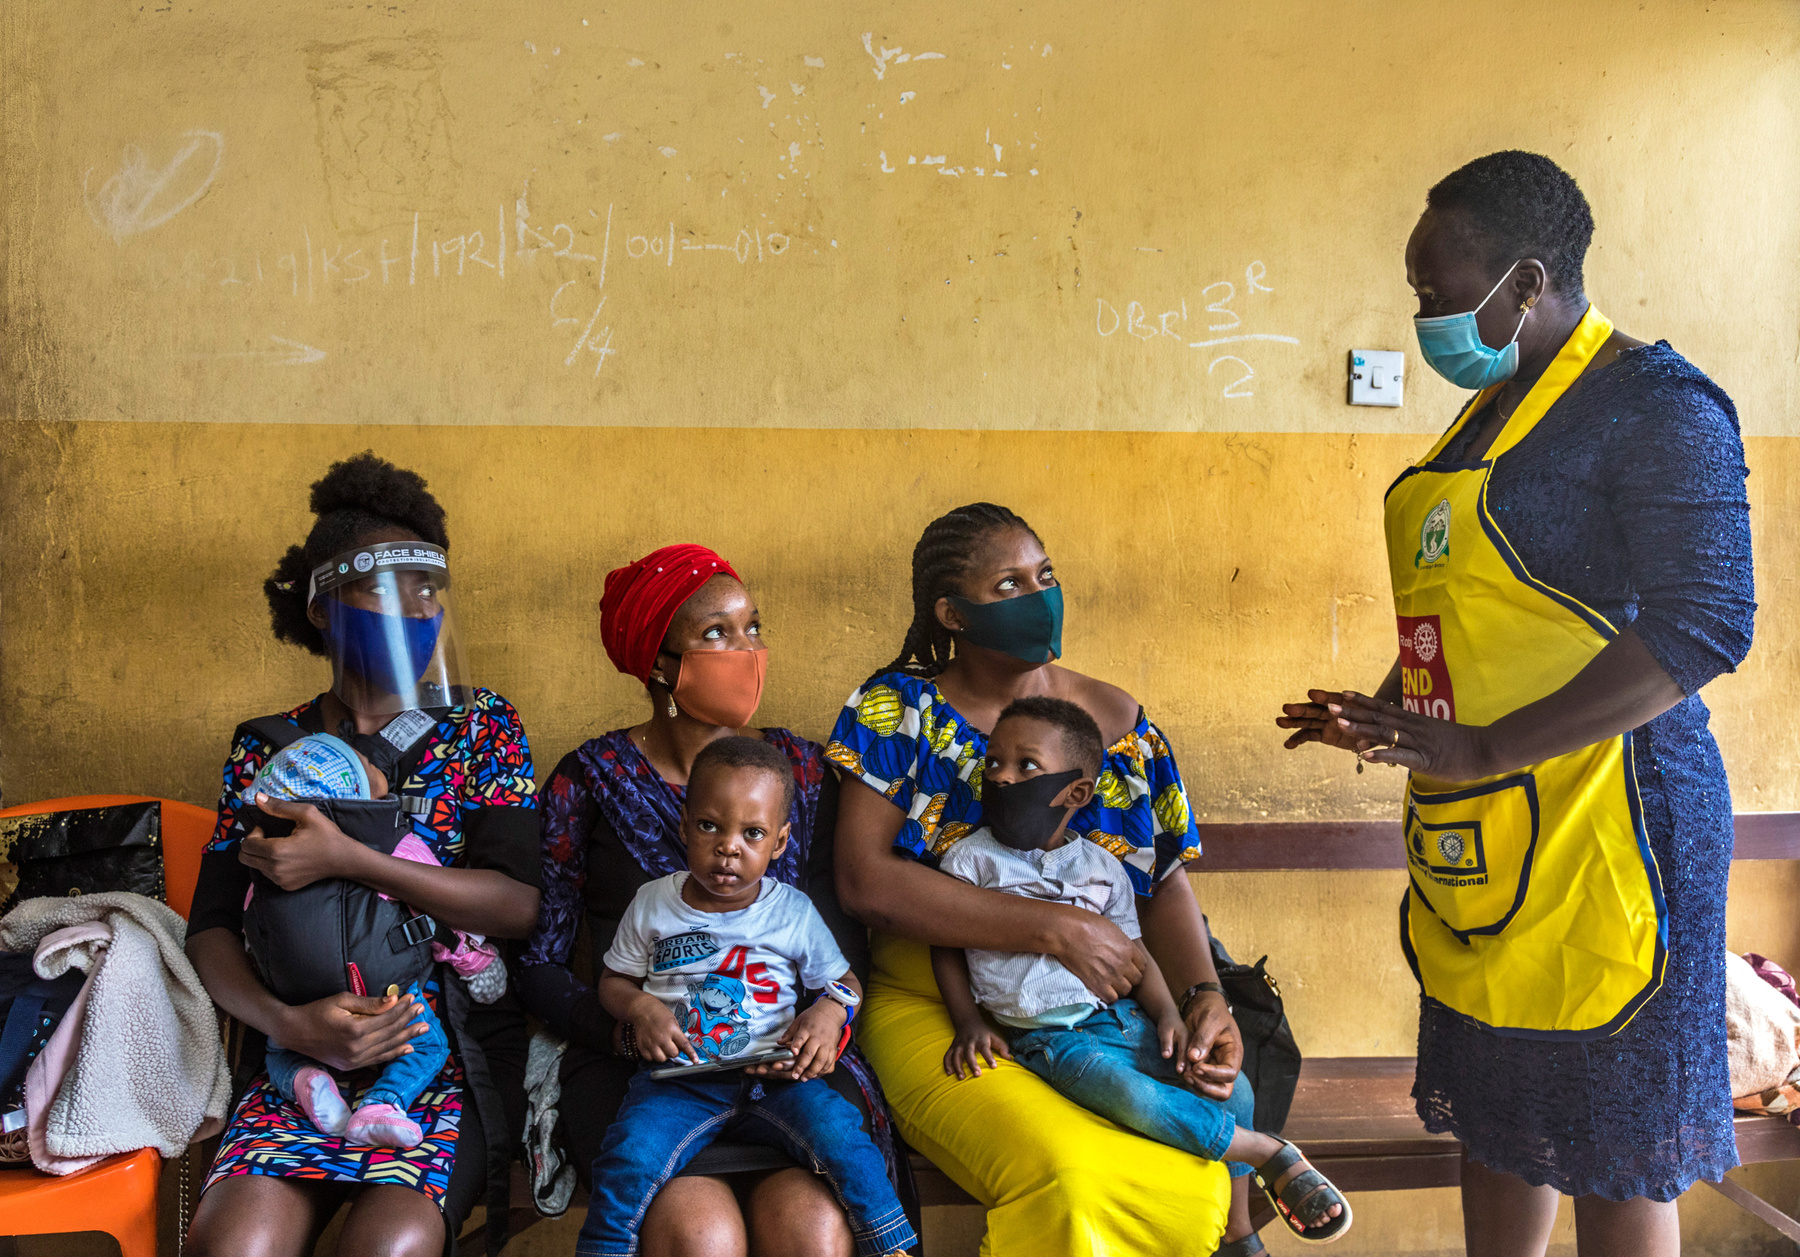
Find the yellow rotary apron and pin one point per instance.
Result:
(1535, 905)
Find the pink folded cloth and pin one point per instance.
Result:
(45, 1077)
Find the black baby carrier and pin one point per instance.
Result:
(312, 937)
(335, 935)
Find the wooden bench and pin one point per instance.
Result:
(1354, 1116)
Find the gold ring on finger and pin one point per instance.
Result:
(1394, 738)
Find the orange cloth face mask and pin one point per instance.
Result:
(721, 687)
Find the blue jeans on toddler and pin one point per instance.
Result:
(1112, 1064)
(401, 1079)
(664, 1124)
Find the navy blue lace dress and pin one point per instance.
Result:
(1628, 494)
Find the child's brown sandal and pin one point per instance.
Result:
(1307, 1197)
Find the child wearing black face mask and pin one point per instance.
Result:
(1122, 1061)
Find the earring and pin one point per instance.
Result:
(673, 710)
(1524, 306)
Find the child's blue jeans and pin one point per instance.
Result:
(664, 1124)
(1112, 1064)
(401, 1079)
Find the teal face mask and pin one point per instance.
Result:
(1027, 627)
(1453, 347)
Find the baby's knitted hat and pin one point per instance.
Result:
(317, 766)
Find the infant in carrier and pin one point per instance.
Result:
(288, 939)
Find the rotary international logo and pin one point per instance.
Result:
(1434, 536)
(1450, 845)
(1424, 641)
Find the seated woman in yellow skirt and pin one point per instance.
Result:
(1056, 1178)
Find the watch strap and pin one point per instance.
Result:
(840, 994)
(1188, 996)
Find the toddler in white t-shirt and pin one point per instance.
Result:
(708, 966)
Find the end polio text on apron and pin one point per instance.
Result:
(1535, 905)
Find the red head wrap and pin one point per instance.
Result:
(641, 598)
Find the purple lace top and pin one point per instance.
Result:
(1629, 494)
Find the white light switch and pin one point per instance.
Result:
(1377, 377)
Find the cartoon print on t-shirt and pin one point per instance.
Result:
(713, 1017)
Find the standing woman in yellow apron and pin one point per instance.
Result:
(1571, 563)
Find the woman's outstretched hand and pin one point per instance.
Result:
(1386, 733)
(1315, 722)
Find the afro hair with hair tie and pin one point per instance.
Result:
(1512, 205)
(354, 500)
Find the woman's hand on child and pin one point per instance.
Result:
(813, 1038)
(316, 850)
(352, 1031)
(971, 1047)
(660, 1038)
(1097, 951)
(1215, 1047)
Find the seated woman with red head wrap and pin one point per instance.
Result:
(681, 621)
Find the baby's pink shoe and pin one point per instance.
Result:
(316, 1092)
(382, 1126)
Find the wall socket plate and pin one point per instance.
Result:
(1377, 377)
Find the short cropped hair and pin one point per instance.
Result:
(738, 752)
(1516, 205)
(1080, 735)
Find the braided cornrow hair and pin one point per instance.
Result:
(939, 562)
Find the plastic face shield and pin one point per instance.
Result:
(390, 629)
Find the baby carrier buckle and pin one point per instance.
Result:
(410, 933)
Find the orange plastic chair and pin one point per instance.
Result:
(118, 1196)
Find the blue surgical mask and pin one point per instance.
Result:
(390, 652)
(1453, 347)
(1028, 627)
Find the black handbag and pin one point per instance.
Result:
(1271, 1057)
(86, 850)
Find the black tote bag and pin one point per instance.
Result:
(1271, 1057)
(86, 850)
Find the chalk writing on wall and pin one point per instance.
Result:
(139, 196)
(630, 215)
(1221, 326)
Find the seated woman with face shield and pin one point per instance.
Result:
(369, 591)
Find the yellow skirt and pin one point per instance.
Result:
(1056, 1178)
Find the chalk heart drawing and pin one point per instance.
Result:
(140, 197)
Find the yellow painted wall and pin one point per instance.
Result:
(188, 340)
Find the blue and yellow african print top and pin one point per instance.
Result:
(900, 737)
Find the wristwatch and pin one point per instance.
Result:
(843, 995)
(1187, 996)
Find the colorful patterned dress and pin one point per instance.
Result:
(476, 759)
(1055, 1178)
(901, 738)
